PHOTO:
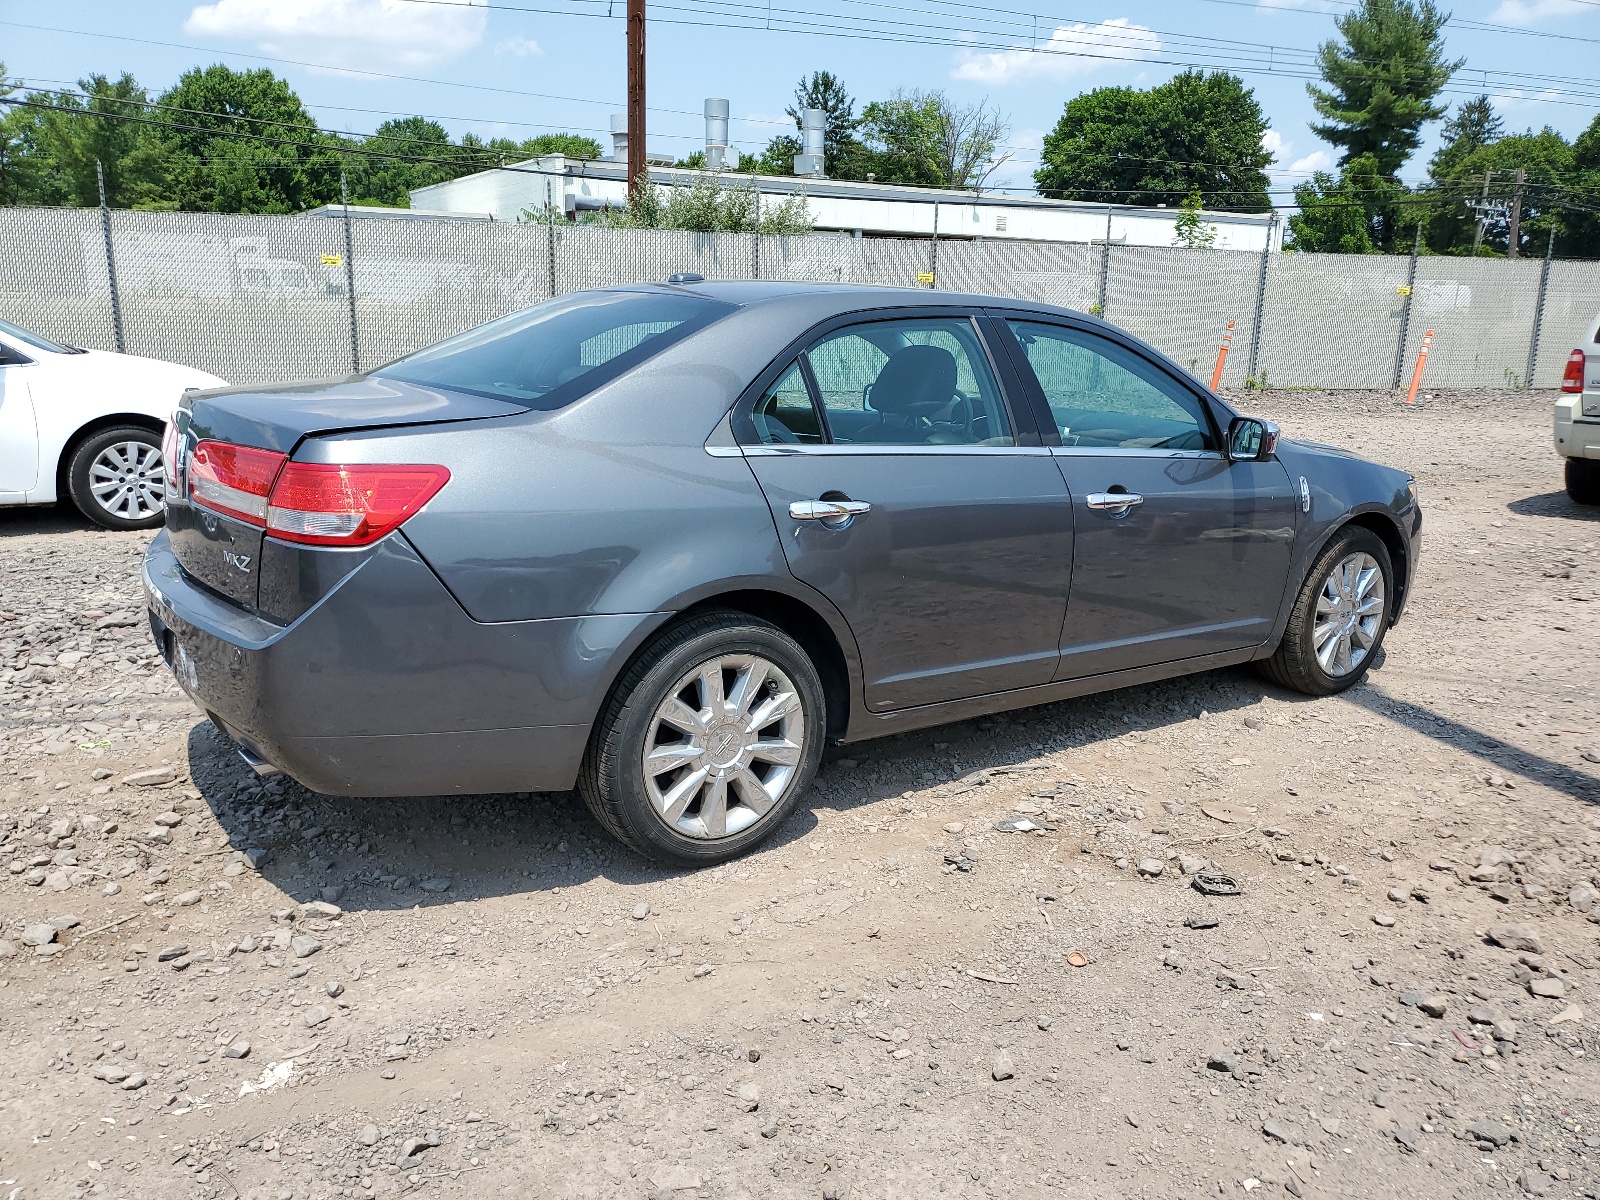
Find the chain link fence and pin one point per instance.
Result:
(259, 299)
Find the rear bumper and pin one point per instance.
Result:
(1576, 436)
(386, 687)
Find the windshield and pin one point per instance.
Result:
(547, 356)
(32, 339)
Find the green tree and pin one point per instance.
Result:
(217, 163)
(777, 158)
(1470, 128)
(573, 145)
(63, 141)
(1189, 230)
(1331, 218)
(708, 205)
(423, 155)
(1382, 81)
(1196, 131)
(902, 136)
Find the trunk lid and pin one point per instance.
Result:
(225, 554)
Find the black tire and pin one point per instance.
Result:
(612, 778)
(80, 486)
(1295, 664)
(1583, 480)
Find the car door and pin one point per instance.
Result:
(900, 485)
(1179, 552)
(19, 438)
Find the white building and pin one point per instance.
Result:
(570, 186)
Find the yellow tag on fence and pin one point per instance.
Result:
(1403, 290)
(332, 260)
(924, 276)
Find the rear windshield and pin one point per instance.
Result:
(31, 339)
(549, 355)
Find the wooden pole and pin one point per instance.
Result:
(637, 170)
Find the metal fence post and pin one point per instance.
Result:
(111, 260)
(550, 244)
(1538, 312)
(755, 250)
(933, 251)
(1405, 310)
(350, 277)
(1105, 266)
(1261, 301)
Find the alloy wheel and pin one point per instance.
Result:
(128, 480)
(724, 746)
(1350, 610)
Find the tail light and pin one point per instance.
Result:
(317, 504)
(324, 505)
(234, 480)
(1572, 377)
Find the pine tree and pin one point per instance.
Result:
(1382, 81)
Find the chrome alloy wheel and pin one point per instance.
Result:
(128, 480)
(1350, 612)
(724, 746)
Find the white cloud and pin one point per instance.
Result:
(1529, 12)
(519, 47)
(354, 33)
(1071, 50)
(1275, 144)
(1513, 99)
(1317, 160)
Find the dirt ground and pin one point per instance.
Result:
(482, 996)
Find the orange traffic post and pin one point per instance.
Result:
(1422, 359)
(1222, 356)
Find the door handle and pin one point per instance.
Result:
(1117, 502)
(828, 510)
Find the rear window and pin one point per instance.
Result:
(549, 355)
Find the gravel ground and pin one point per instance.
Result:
(256, 991)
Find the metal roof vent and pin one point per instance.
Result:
(619, 137)
(716, 134)
(813, 125)
(685, 277)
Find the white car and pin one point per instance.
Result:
(1578, 418)
(87, 424)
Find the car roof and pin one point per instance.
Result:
(848, 297)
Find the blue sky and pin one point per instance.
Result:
(521, 67)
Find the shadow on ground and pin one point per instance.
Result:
(385, 853)
(1554, 504)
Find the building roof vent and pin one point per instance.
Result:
(716, 134)
(813, 127)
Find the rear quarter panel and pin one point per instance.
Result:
(610, 505)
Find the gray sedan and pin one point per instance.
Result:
(663, 542)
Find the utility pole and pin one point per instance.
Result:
(1516, 215)
(637, 177)
(1483, 216)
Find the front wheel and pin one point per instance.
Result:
(1339, 618)
(708, 741)
(117, 478)
(1583, 480)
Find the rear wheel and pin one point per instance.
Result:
(1339, 618)
(708, 741)
(117, 479)
(1583, 480)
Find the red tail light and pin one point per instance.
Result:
(325, 505)
(234, 480)
(318, 504)
(1572, 377)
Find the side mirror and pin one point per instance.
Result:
(1251, 440)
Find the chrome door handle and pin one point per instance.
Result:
(1119, 502)
(828, 510)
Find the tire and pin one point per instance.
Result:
(124, 463)
(1346, 656)
(1583, 480)
(637, 807)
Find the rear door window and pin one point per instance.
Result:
(922, 381)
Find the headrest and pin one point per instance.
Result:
(917, 381)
